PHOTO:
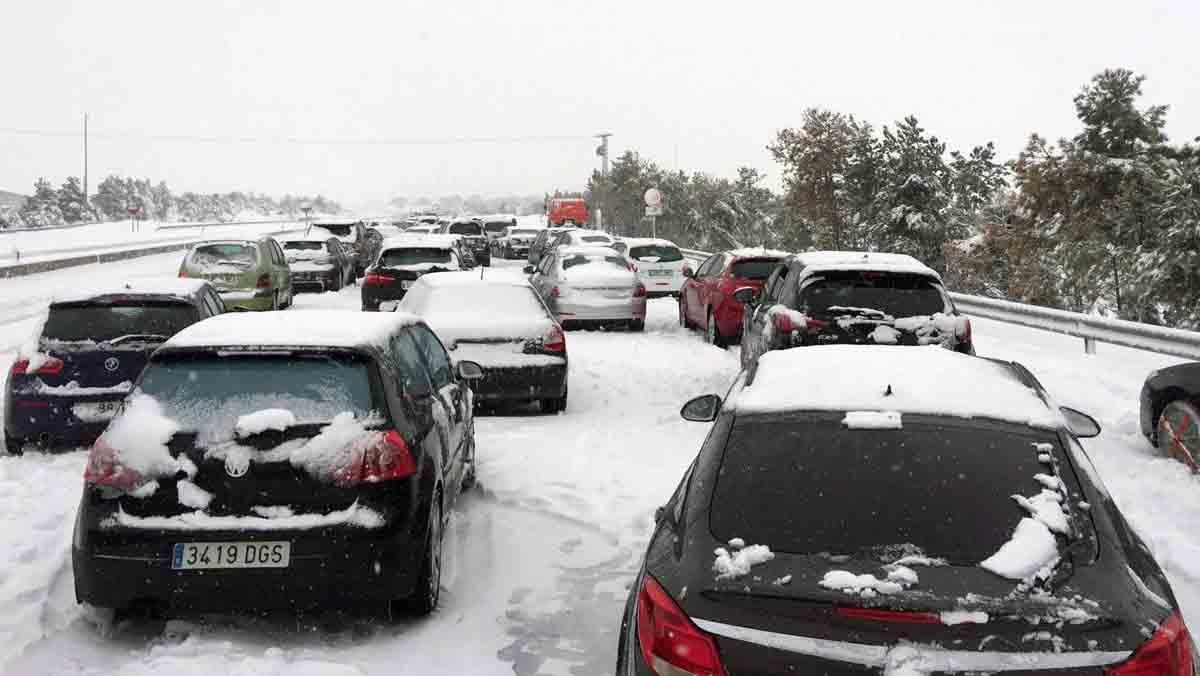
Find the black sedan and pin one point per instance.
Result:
(279, 461)
(501, 324)
(1170, 412)
(862, 531)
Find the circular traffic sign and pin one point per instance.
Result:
(653, 197)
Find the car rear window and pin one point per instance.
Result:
(304, 246)
(497, 226)
(207, 393)
(754, 268)
(344, 231)
(801, 483)
(413, 256)
(524, 231)
(107, 322)
(468, 229)
(501, 300)
(592, 239)
(655, 253)
(573, 260)
(898, 295)
(238, 256)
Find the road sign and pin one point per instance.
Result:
(654, 198)
(656, 210)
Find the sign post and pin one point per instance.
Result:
(654, 208)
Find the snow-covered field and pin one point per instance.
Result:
(540, 556)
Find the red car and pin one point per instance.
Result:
(566, 210)
(706, 300)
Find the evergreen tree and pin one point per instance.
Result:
(72, 203)
(41, 209)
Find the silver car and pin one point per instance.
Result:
(590, 285)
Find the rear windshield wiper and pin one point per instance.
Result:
(139, 337)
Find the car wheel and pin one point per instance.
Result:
(713, 332)
(339, 280)
(683, 315)
(1179, 432)
(14, 446)
(637, 325)
(275, 300)
(469, 478)
(556, 405)
(428, 588)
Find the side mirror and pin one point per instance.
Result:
(1080, 424)
(660, 513)
(746, 295)
(689, 273)
(701, 409)
(389, 306)
(528, 269)
(469, 371)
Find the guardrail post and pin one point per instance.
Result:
(1089, 345)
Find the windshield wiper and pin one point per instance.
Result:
(139, 337)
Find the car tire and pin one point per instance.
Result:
(428, 588)
(1178, 432)
(683, 321)
(469, 478)
(339, 281)
(275, 300)
(712, 332)
(637, 325)
(14, 446)
(554, 405)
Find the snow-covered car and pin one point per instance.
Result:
(402, 261)
(284, 460)
(590, 286)
(858, 510)
(658, 263)
(65, 386)
(318, 260)
(471, 230)
(707, 297)
(250, 274)
(355, 235)
(543, 242)
(1170, 412)
(501, 324)
(583, 237)
(495, 225)
(515, 241)
(850, 297)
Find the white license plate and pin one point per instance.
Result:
(202, 555)
(659, 273)
(96, 411)
(406, 284)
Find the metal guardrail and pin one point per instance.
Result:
(1092, 329)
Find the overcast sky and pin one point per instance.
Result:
(703, 84)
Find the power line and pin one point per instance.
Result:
(296, 140)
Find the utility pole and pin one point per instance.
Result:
(85, 160)
(602, 151)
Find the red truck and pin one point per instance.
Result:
(566, 211)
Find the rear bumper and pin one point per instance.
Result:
(522, 383)
(341, 566)
(657, 287)
(372, 296)
(318, 280)
(634, 308)
(263, 299)
(48, 422)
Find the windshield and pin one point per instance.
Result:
(574, 260)
(655, 253)
(304, 246)
(342, 231)
(469, 229)
(413, 256)
(208, 393)
(943, 485)
(106, 322)
(756, 268)
(240, 256)
(898, 295)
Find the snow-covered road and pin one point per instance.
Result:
(542, 553)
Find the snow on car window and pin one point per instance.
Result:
(897, 295)
(238, 256)
(106, 322)
(574, 260)
(501, 300)
(208, 394)
(413, 256)
(660, 254)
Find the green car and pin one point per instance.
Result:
(249, 274)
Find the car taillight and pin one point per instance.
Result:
(376, 279)
(891, 616)
(555, 293)
(264, 281)
(49, 366)
(632, 267)
(183, 274)
(555, 340)
(783, 323)
(639, 291)
(1167, 653)
(105, 470)
(385, 457)
(963, 331)
(671, 644)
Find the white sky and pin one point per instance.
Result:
(710, 82)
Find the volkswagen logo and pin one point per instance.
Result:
(111, 364)
(236, 465)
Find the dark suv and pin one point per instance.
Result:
(474, 237)
(850, 297)
(89, 352)
(283, 460)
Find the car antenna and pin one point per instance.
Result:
(888, 392)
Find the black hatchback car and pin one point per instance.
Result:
(857, 510)
(279, 460)
(404, 260)
(89, 352)
(850, 297)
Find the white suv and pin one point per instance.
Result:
(658, 263)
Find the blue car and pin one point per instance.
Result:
(90, 351)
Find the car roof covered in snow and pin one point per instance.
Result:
(420, 241)
(470, 278)
(316, 328)
(589, 250)
(314, 234)
(757, 252)
(647, 241)
(928, 380)
(824, 261)
(337, 221)
(150, 287)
